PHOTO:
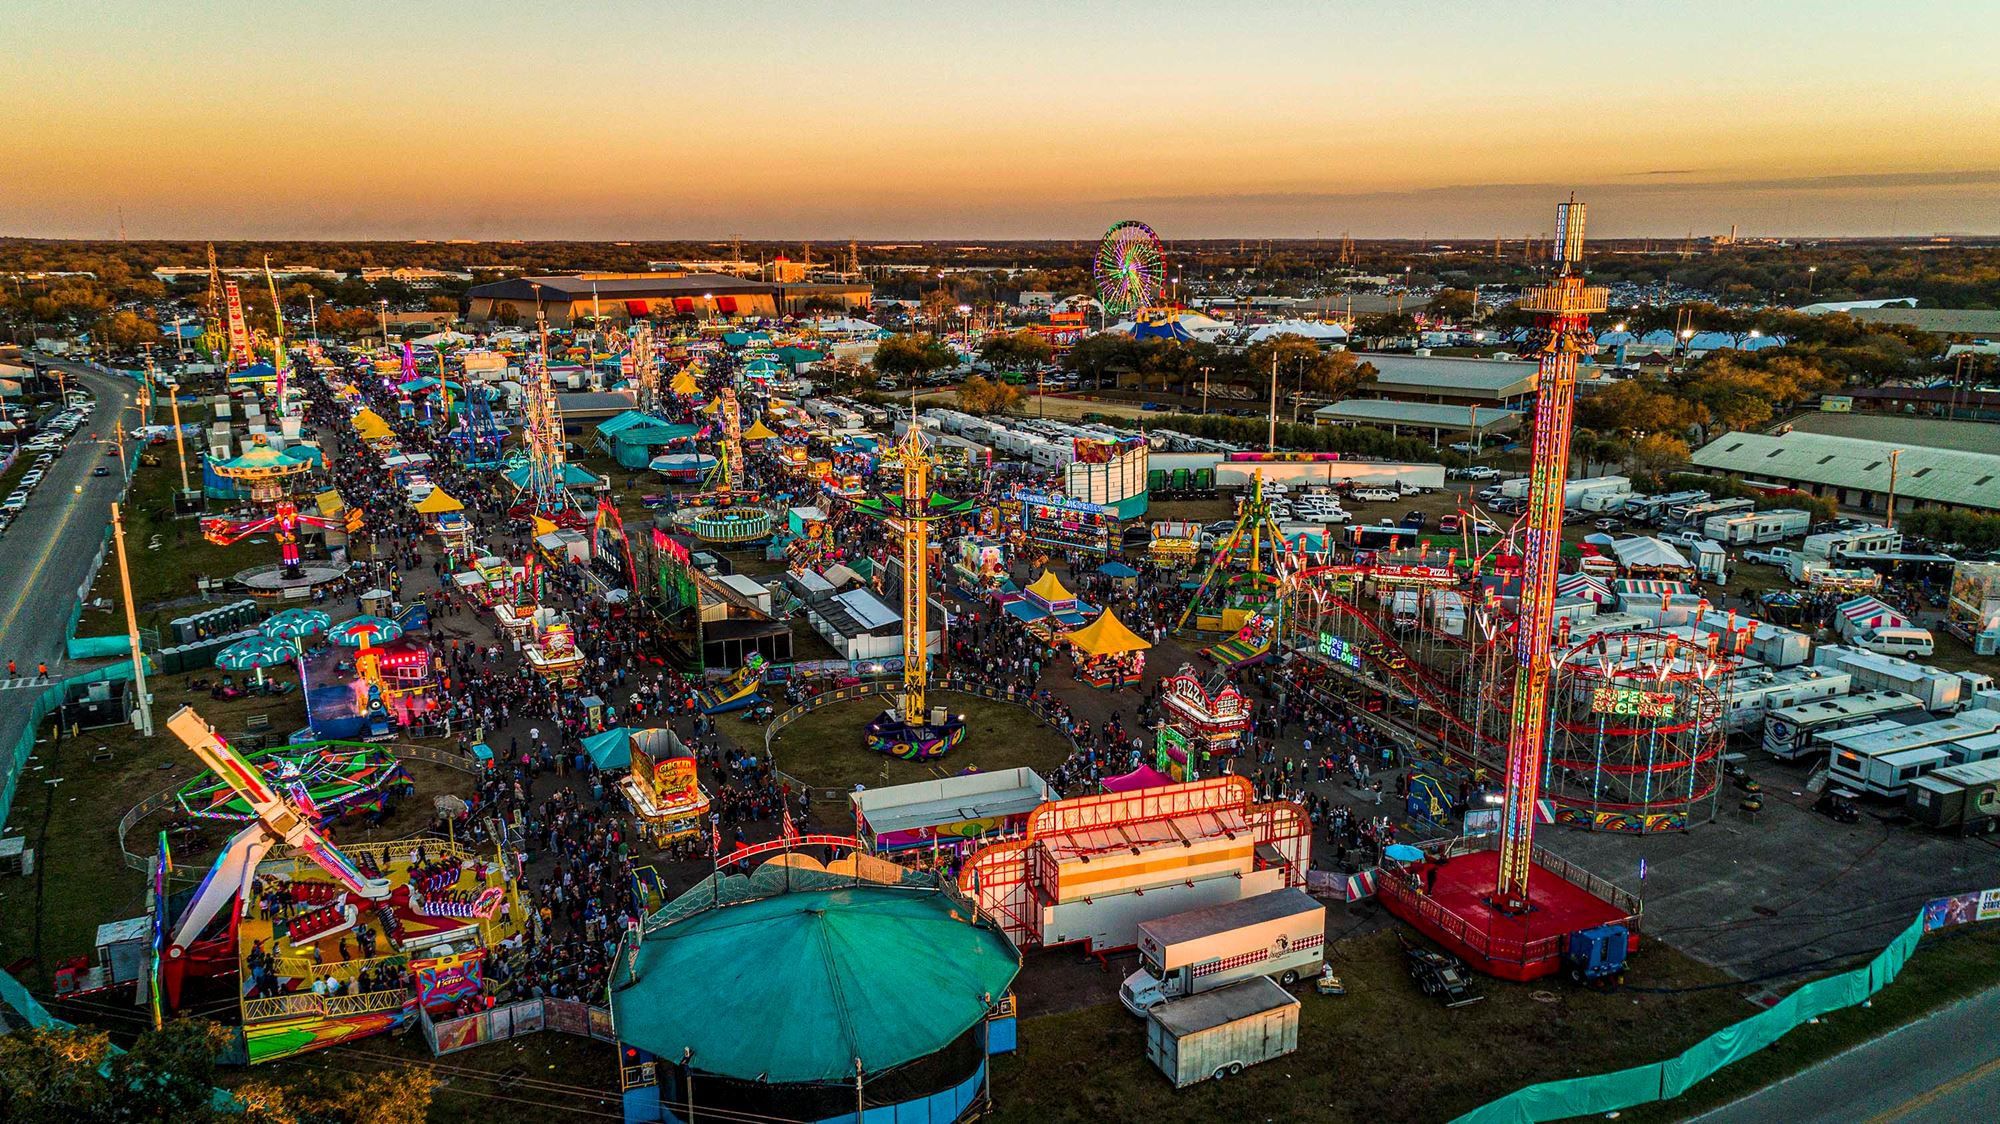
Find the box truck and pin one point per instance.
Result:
(1281, 934)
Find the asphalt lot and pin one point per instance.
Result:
(1784, 888)
(1945, 1067)
(46, 553)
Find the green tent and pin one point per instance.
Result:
(794, 987)
(611, 749)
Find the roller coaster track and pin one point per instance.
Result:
(1412, 676)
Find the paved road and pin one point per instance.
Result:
(1945, 1067)
(47, 551)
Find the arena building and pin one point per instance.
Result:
(577, 298)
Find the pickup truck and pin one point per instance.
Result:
(1770, 556)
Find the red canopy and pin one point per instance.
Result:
(1145, 776)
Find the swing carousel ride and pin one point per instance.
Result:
(909, 731)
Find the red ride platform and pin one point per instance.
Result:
(1456, 914)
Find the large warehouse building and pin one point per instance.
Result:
(576, 298)
(1454, 381)
(1855, 473)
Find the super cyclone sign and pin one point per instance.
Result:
(1629, 702)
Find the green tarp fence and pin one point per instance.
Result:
(1665, 1080)
(45, 702)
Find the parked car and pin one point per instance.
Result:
(1607, 524)
(1448, 525)
(100, 470)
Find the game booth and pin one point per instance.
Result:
(1067, 524)
(1048, 608)
(370, 693)
(949, 814)
(551, 650)
(1108, 655)
(662, 787)
(1215, 714)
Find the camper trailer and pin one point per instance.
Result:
(1799, 731)
(1964, 799)
(1882, 759)
(1939, 690)
(1838, 546)
(1756, 527)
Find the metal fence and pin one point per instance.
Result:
(498, 1024)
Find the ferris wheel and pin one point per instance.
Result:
(1131, 269)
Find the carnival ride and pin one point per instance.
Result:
(909, 731)
(269, 475)
(1508, 911)
(545, 490)
(1637, 732)
(743, 688)
(431, 906)
(339, 779)
(1214, 713)
(725, 514)
(1226, 599)
(1131, 268)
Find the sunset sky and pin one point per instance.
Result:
(669, 119)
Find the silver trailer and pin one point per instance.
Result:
(1217, 1033)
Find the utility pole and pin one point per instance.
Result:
(1204, 389)
(1273, 442)
(180, 443)
(1894, 455)
(132, 625)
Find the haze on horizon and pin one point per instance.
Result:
(627, 119)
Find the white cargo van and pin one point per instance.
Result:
(1281, 934)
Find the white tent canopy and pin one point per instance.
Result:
(1310, 329)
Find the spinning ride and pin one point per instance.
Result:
(1637, 735)
(432, 908)
(338, 778)
(1227, 600)
(1131, 268)
(909, 732)
(270, 475)
(727, 515)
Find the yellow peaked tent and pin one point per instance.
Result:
(684, 385)
(1050, 589)
(758, 432)
(1107, 636)
(437, 503)
(370, 426)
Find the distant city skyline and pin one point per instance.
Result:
(638, 121)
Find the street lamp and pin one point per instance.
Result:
(384, 303)
(1810, 271)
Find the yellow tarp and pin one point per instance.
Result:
(712, 407)
(371, 427)
(329, 503)
(1107, 636)
(437, 503)
(684, 385)
(758, 432)
(1050, 588)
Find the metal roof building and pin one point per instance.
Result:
(1856, 472)
(1438, 421)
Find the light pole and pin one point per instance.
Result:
(384, 305)
(1811, 270)
(132, 621)
(1204, 390)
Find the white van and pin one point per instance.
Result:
(1908, 642)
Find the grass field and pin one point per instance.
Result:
(166, 555)
(826, 750)
(1382, 1052)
